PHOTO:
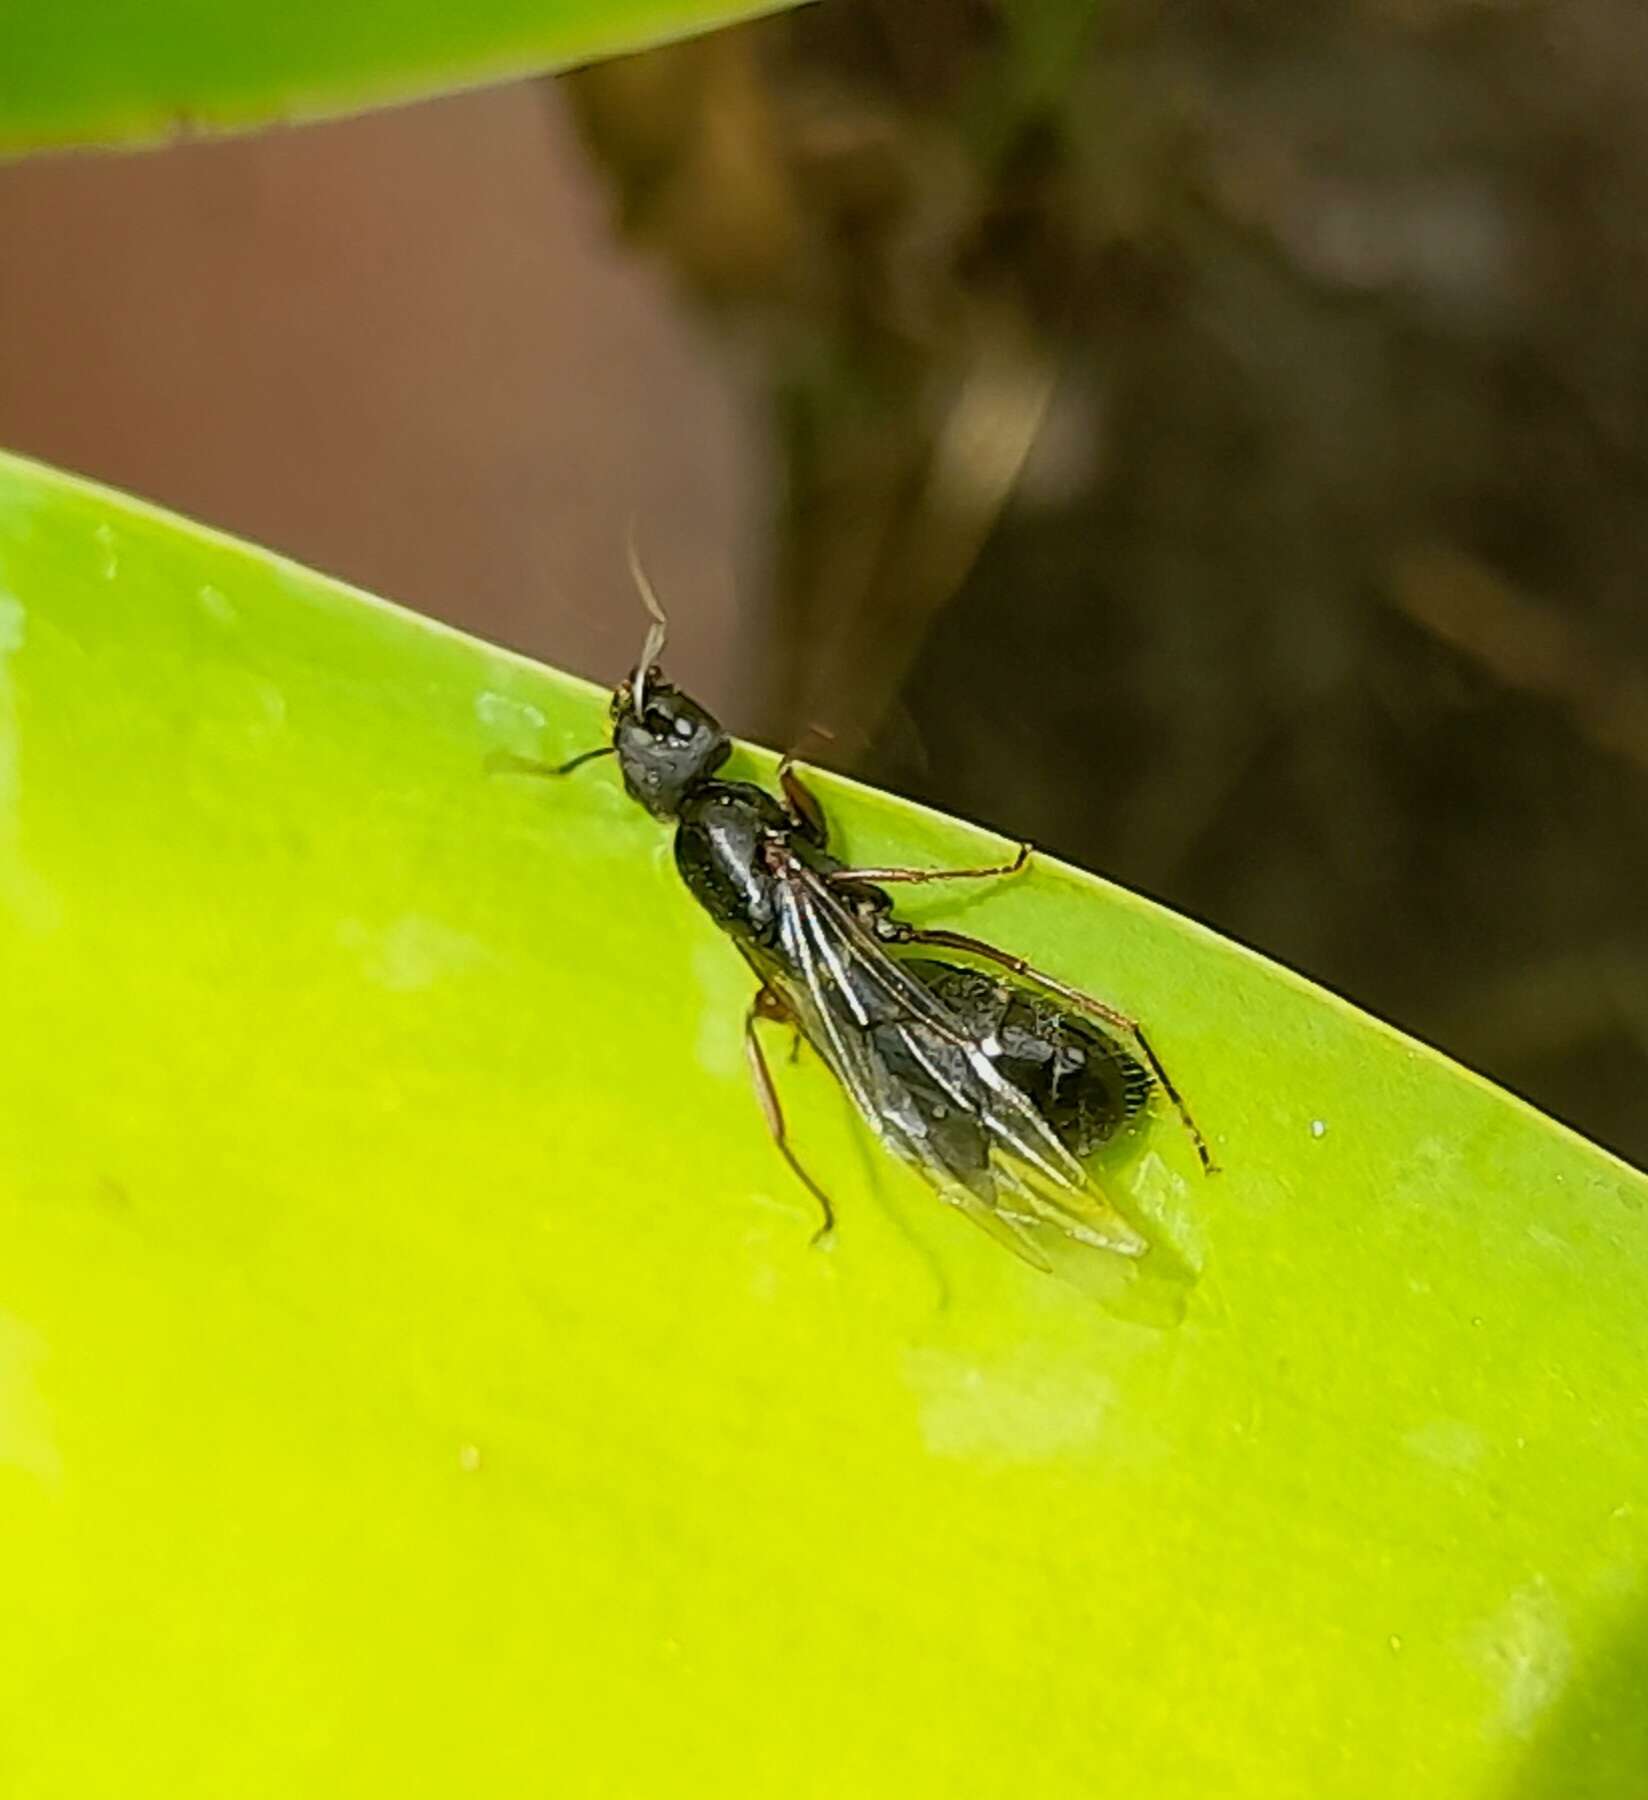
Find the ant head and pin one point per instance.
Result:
(666, 742)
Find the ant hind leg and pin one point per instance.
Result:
(1119, 1022)
(767, 1005)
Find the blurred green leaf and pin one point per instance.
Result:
(415, 1377)
(136, 70)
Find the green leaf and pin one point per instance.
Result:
(137, 70)
(415, 1376)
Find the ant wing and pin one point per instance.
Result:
(928, 1086)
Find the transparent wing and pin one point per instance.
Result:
(927, 1086)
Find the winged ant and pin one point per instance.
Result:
(994, 1082)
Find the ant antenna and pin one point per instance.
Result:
(658, 631)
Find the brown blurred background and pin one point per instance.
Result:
(1210, 441)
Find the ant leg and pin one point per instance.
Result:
(806, 810)
(767, 1005)
(881, 877)
(895, 931)
(506, 762)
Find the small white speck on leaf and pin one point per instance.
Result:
(512, 720)
(12, 621)
(28, 1443)
(217, 605)
(22, 891)
(1016, 1411)
(411, 952)
(1527, 1656)
(1447, 1443)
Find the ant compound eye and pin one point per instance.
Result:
(683, 728)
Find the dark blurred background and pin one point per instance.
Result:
(1210, 441)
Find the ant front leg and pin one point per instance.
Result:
(895, 931)
(804, 807)
(506, 762)
(767, 1005)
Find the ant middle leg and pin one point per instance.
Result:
(895, 931)
(767, 1005)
